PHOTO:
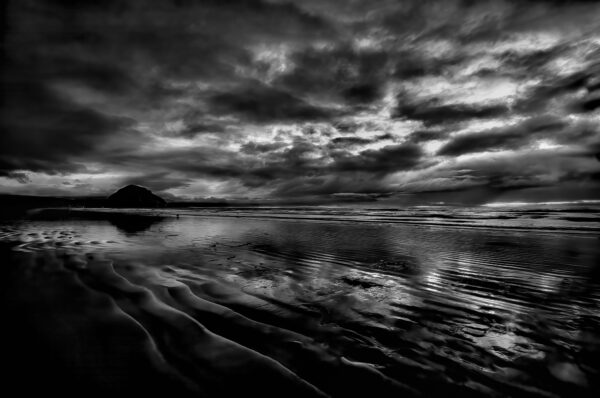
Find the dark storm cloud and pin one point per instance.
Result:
(253, 148)
(22, 178)
(522, 171)
(426, 135)
(584, 136)
(588, 105)
(345, 126)
(354, 141)
(183, 38)
(300, 99)
(524, 64)
(97, 75)
(159, 181)
(410, 64)
(382, 161)
(260, 103)
(332, 186)
(350, 141)
(127, 51)
(513, 137)
(53, 137)
(341, 72)
(552, 88)
(198, 128)
(195, 161)
(250, 168)
(479, 142)
(432, 113)
(540, 175)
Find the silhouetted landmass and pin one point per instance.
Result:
(17, 206)
(135, 196)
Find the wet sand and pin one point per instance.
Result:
(208, 306)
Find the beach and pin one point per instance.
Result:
(288, 302)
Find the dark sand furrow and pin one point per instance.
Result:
(214, 360)
(298, 352)
(253, 307)
(75, 339)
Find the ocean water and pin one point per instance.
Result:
(424, 301)
(557, 216)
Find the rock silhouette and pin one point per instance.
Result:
(135, 196)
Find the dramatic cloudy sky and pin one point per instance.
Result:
(324, 101)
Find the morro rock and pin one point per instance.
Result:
(135, 196)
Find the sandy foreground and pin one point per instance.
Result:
(207, 306)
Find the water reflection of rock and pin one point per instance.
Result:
(127, 223)
(132, 224)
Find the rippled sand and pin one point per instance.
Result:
(208, 306)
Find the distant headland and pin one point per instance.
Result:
(135, 196)
(130, 196)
